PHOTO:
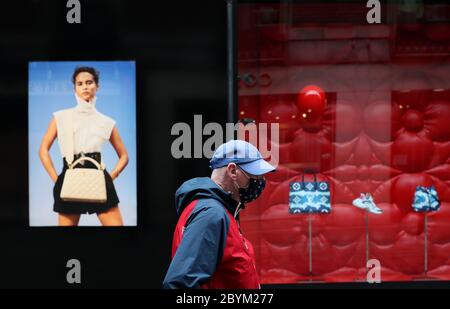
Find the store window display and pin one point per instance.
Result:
(375, 129)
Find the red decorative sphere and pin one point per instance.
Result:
(311, 102)
(413, 120)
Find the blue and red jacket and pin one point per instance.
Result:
(208, 249)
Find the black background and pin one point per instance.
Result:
(180, 54)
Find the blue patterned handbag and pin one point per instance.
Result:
(426, 199)
(309, 197)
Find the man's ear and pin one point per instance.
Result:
(232, 171)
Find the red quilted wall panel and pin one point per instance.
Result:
(385, 131)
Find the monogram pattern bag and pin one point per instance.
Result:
(426, 199)
(309, 197)
(82, 184)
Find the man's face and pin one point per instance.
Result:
(243, 178)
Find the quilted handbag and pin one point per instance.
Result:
(81, 184)
(84, 184)
(309, 197)
(426, 199)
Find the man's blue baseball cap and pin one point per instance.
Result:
(243, 154)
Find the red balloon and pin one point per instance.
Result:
(311, 102)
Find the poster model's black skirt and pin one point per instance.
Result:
(66, 207)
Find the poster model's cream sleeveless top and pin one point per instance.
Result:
(91, 128)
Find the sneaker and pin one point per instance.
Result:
(365, 201)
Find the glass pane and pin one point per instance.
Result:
(379, 137)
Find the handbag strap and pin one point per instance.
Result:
(315, 181)
(69, 155)
(98, 166)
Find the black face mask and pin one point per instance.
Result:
(253, 190)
